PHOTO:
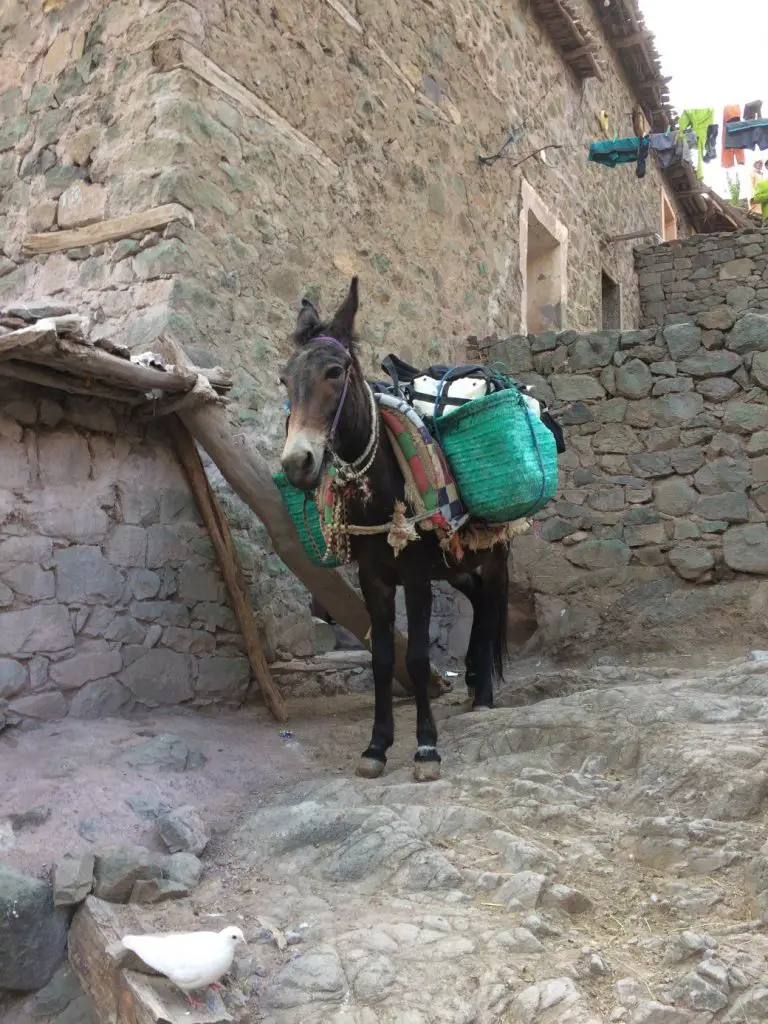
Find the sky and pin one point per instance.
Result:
(716, 52)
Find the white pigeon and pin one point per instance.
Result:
(191, 960)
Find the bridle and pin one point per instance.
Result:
(350, 472)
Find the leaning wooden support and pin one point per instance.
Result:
(249, 476)
(221, 537)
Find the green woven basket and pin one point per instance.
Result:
(294, 502)
(502, 456)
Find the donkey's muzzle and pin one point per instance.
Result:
(302, 461)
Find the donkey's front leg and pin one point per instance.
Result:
(418, 605)
(379, 598)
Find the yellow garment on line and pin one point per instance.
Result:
(698, 120)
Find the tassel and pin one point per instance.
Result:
(401, 532)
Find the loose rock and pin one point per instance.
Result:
(183, 830)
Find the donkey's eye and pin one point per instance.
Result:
(334, 372)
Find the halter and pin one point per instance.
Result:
(352, 471)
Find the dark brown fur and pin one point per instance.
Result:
(314, 379)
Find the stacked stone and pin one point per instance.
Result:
(109, 591)
(666, 472)
(710, 278)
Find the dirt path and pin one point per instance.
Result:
(582, 859)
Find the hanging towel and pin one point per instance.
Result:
(753, 111)
(710, 147)
(610, 152)
(729, 157)
(741, 135)
(699, 120)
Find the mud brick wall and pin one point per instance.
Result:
(664, 486)
(713, 279)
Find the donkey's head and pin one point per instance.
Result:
(317, 379)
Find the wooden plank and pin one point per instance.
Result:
(96, 364)
(14, 344)
(221, 537)
(48, 378)
(108, 974)
(249, 476)
(193, 60)
(107, 230)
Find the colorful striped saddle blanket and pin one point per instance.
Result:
(431, 494)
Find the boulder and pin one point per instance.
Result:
(33, 932)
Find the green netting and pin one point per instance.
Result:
(294, 502)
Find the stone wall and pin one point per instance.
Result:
(345, 142)
(110, 596)
(711, 278)
(658, 536)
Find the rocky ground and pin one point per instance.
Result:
(596, 855)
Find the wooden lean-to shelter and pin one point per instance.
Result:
(51, 348)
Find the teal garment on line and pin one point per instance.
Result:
(610, 152)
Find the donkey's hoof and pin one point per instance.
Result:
(368, 768)
(482, 707)
(426, 771)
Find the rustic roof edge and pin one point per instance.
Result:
(55, 351)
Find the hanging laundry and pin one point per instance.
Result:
(699, 120)
(668, 149)
(672, 150)
(729, 157)
(753, 111)
(642, 156)
(741, 135)
(610, 152)
(710, 146)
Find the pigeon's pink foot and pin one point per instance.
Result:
(198, 1004)
(216, 986)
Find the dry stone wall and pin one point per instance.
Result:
(664, 486)
(714, 279)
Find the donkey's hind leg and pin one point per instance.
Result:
(418, 606)
(379, 597)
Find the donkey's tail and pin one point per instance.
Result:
(500, 637)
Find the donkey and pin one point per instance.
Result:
(332, 413)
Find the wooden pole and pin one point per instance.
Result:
(249, 476)
(220, 534)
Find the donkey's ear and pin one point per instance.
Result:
(307, 320)
(342, 326)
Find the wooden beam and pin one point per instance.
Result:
(117, 994)
(581, 51)
(14, 344)
(107, 230)
(224, 546)
(189, 57)
(643, 36)
(48, 378)
(249, 476)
